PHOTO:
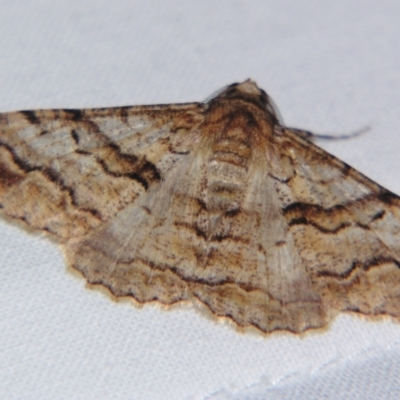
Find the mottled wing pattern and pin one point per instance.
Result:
(69, 171)
(346, 229)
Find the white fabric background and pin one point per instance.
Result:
(331, 66)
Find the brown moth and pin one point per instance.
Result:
(215, 203)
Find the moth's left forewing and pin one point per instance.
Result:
(68, 171)
(346, 229)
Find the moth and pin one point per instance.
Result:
(214, 203)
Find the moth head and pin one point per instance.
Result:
(248, 91)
